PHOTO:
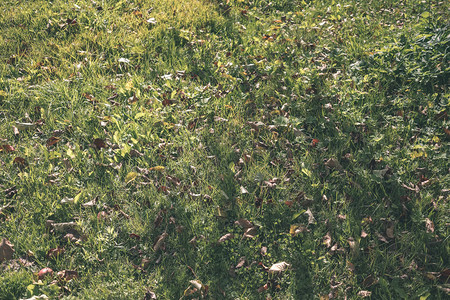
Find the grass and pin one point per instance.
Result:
(323, 123)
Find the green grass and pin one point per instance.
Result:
(182, 117)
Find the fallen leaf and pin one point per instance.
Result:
(244, 223)
(225, 237)
(369, 281)
(241, 263)
(311, 219)
(52, 141)
(149, 295)
(278, 267)
(364, 294)
(390, 230)
(6, 250)
(55, 252)
(263, 288)
(327, 240)
(333, 164)
(99, 144)
(7, 148)
(15, 130)
(296, 229)
(20, 161)
(263, 251)
(429, 225)
(63, 227)
(160, 241)
(363, 234)
(243, 190)
(25, 126)
(68, 275)
(381, 237)
(250, 233)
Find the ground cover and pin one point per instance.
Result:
(224, 149)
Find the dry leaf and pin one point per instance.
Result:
(369, 281)
(25, 126)
(263, 288)
(68, 275)
(244, 223)
(241, 263)
(364, 294)
(327, 240)
(99, 144)
(429, 225)
(226, 237)
(390, 230)
(311, 219)
(243, 190)
(55, 252)
(333, 164)
(159, 242)
(363, 234)
(250, 233)
(279, 267)
(6, 250)
(7, 148)
(296, 229)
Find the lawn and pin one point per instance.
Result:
(206, 149)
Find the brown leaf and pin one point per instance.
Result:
(135, 236)
(369, 281)
(160, 241)
(381, 237)
(225, 237)
(55, 252)
(244, 223)
(429, 225)
(20, 161)
(15, 130)
(68, 275)
(52, 141)
(99, 144)
(241, 263)
(445, 275)
(333, 164)
(311, 219)
(263, 251)
(149, 295)
(279, 267)
(364, 294)
(390, 230)
(295, 229)
(7, 148)
(263, 288)
(6, 250)
(363, 234)
(327, 240)
(250, 233)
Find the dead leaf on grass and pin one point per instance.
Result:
(244, 223)
(327, 240)
(279, 267)
(364, 294)
(429, 225)
(6, 250)
(225, 237)
(160, 241)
